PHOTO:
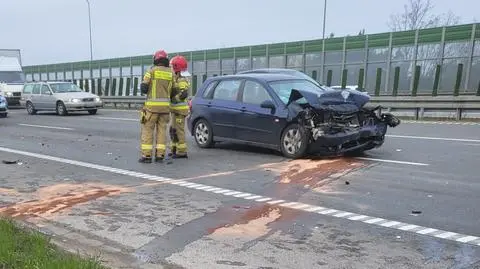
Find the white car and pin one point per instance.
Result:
(62, 97)
(3, 106)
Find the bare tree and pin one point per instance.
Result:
(418, 14)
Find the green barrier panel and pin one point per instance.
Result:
(416, 80)
(396, 79)
(99, 87)
(93, 86)
(204, 77)
(107, 87)
(344, 78)
(329, 78)
(378, 81)
(361, 77)
(114, 87)
(314, 74)
(458, 81)
(127, 88)
(135, 86)
(120, 87)
(194, 85)
(478, 88)
(74, 81)
(85, 85)
(81, 84)
(436, 82)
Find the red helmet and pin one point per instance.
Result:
(179, 63)
(159, 54)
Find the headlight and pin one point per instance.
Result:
(97, 99)
(74, 100)
(8, 94)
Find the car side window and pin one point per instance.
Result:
(207, 93)
(45, 90)
(227, 90)
(36, 89)
(254, 93)
(28, 89)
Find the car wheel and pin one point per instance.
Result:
(3, 115)
(203, 134)
(92, 111)
(31, 109)
(294, 142)
(61, 109)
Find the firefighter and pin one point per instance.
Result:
(157, 85)
(179, 107)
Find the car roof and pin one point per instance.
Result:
(266, 77)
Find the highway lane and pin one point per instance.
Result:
(444, 189)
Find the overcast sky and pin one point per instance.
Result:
(51, 31)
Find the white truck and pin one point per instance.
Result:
(12, 77)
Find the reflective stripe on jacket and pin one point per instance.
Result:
(179, 106)
(161, 81)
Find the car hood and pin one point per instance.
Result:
(70, 95)
(331, 97)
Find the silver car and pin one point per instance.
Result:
(62, 97)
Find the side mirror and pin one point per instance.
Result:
(267, 104)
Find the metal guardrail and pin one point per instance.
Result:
(455, 107)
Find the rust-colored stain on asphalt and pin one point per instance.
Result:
(315, 172)
(52, 199)
(253, 222)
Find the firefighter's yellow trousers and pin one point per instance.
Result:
(152, 121)
(178, 142)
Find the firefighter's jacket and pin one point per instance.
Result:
(177, 105)
(160, 80)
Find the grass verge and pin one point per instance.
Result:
(26, 249)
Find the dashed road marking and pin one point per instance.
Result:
(390, 224)
(46, 127)
(392, 161)
(435, 138)
(113, 118)
(441, 122)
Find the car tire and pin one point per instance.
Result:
(30, 108)
(293, 135)
(3, 115)
(61, 109)
(92, 111)
(203, 134)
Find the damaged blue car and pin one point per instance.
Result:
(290, 114)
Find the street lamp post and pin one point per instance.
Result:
(90, 26)
(91, 47)
(323, 39)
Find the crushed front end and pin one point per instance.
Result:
(338, 125)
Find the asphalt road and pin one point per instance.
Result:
(411, 204)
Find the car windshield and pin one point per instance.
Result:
(64, 87)
(12, 77)
(283, 88)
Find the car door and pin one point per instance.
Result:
(35, 96)
(223, 107)
(47, 98)
(254, 123)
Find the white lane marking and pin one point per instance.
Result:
(113, 118)
(445, 235)
(435, 138)
(441, 122)
(392, 161)
(391, 224)
(46, 127)
(427, 231)
(466, 239)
